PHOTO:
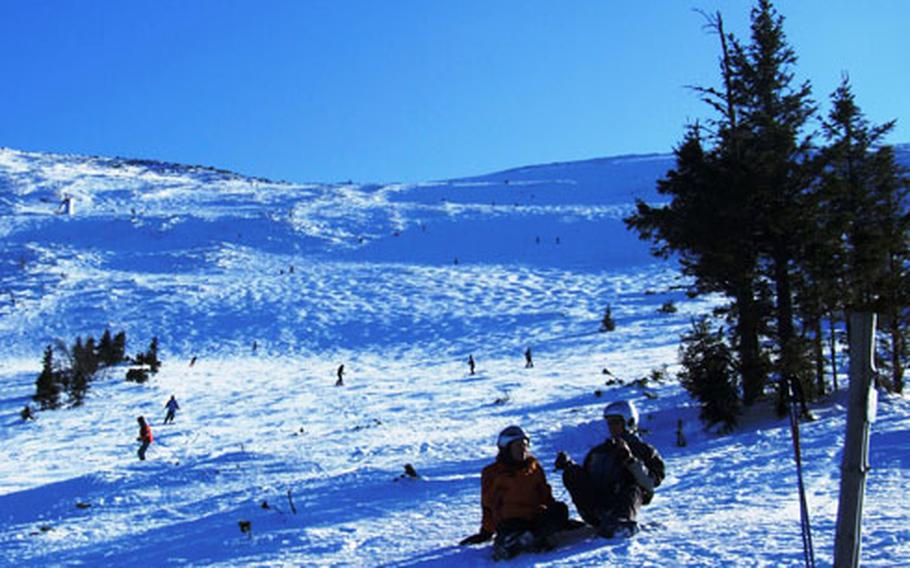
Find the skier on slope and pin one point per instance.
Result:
(145, 436)
(617, 477)
(340, 373)
(529, 361)
(471, 363)
(517, 502)
(172, 408)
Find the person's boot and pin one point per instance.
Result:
(545, 543)
(617, 528)
(511, 544)
(574, 524)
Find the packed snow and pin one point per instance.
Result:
(271, 286)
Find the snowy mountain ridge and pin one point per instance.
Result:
(269, 286)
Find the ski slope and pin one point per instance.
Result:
(271, 286)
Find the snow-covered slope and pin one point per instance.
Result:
(400, 283)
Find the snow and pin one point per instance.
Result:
(202, 259)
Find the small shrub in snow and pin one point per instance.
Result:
(607, 323)
(708, 374)
(137, 375)
(668, 307)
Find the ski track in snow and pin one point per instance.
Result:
(203, 259)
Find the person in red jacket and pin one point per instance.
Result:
(517, 502)
(145, 436)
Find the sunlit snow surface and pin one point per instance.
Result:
(400, 283)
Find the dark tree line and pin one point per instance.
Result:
(70, 370)
(794, 233)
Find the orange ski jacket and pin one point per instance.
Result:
(513, 491)
(145, 434)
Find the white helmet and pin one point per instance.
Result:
(624, 409)
(509, 435)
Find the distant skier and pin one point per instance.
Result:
(340, 373)
(529, 362)
(26, 414)
(255, 346)
(145, 436)
(518, 504)
(471, 363)
(617, 477)
(66, 205)
(172, 408)
(192, 361)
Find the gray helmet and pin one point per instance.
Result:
(625, 410)
(509, 435)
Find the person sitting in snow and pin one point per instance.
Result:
(145, 436)
(172, 408)
(617, 477)
(517, 502)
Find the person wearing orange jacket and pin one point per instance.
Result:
(145, 436)
(517, 502)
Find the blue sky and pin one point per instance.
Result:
(403, 90)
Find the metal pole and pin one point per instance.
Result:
(860, 414)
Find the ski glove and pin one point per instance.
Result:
(640, 473)
(623, 452)
(479, 538)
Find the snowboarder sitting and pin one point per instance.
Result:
(618, 476)
(145, 436)
(518, 505)
(172, 408)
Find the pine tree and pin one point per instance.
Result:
(77, 387)
(152, 356)
(105, 350)
(77, 376)
(118, 353)
(47, 387)
(708, 227)
(774, 112)
(90, 361)
(738, 215)
(708, 374)
(864, 193)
